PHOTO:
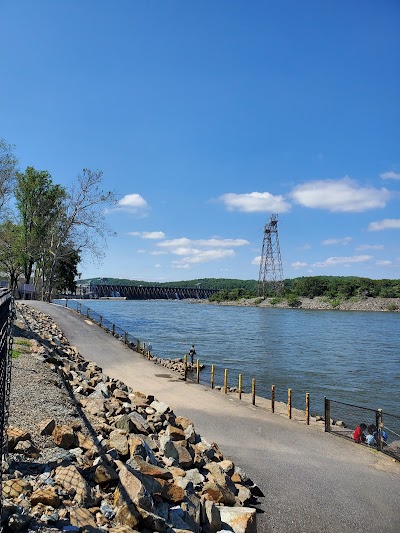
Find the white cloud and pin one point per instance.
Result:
(298, 264)
(384, 263)
(387, 223)
(134, 203)
(343, 195)
(256, 260)
(344, 241)
(203, 256)
(390, 175)
(343, 260)
(255, 202)
(369, 247)
(148, 234)
(185, 242)
(157, 252)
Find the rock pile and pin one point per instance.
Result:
(124, 462)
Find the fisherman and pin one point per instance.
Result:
(192, 353)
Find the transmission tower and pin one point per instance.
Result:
(271, 272)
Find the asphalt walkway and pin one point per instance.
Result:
(312, 481)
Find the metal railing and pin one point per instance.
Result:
(6, 317)
(342, 418)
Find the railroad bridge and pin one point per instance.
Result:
(144, 292)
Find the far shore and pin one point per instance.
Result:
(320, 303)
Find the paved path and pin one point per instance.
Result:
(312, 481)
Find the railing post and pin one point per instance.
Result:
(126, 337)
(138, 346)
(66, 301)
(253, 391)
(289, 403)
(212, 376)
(327, 415)
(226, 381)
(307, 408)
(101, 321)
(273, 398)
(379, 426)
(185, 366)
(113, 329)
(240, 386)
(197, 371)
(88, 312)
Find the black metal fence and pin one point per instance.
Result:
(343, 418)
(5, 372)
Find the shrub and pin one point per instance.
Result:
(293, 301)
(392, 307)
(275, 301)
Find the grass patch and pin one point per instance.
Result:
(23, 342)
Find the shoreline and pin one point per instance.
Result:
(319, 303)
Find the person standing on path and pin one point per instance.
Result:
(192, 353)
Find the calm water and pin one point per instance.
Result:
(347, 356)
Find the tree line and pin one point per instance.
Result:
(46, 228)
(331, 287)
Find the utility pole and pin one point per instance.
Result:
(271, 272)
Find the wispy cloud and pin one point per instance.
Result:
(343, 240)
(298, 264)
(387, 223)
(384, 262)
(256, 260)
(213, 242)
(194, 256)
(148, 234)
(369, 247)
(390, 175)
(133, 203)
(343, 195)
(331, 261)
(255, 202)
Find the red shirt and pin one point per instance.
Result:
(358, 435)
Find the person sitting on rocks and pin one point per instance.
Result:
(358, 434)
(370, 437)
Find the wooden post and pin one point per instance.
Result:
(307, 408)
(253, 391)
(138, 346)
(240, 386)
(212, 376)
(126, 337)
(379, 426)
(197, 371)
(185, 366)
(327, 415)
(87, 312)
(226, 381)
(289, 403)
(113, 329)
(273, 398)
(101, 321)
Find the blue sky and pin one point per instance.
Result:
(206, 118)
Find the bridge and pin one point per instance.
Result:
(144, 292)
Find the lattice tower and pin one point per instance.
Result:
(271, 271)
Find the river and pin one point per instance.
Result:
(348, 356)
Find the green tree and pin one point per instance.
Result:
(67, 270)
(39, 202)
(8, 163)
(11, 252)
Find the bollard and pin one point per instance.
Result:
(101, 321)
(240, 386)
(253, 391)
(273, 398)
(197, 371)
(379, 426)
(327, 414)
(126, 337)
(226, 381)
(185, 366)
(212, 376)
(289, 403)
(307, 408)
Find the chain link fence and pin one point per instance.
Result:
(380, 430)
(6, 319)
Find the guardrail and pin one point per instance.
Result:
(340, 418)
(6, 317)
